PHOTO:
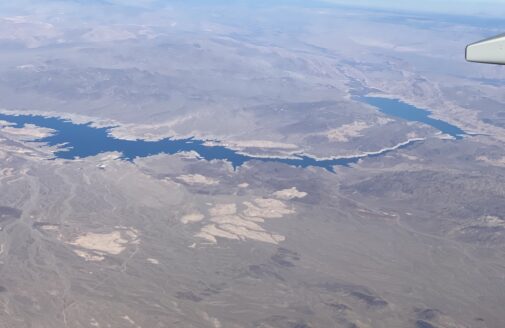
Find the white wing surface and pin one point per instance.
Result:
(488, 51)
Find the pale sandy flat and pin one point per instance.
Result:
(153, 261)
(49, 227)
(495, 162)
(111, 243)
(492, 221)
(229, 223)
(206, 236)
(198, 179)
(266, 208)
(223, 209)
(5, 123)
(244, 233)
(29, 131)
(214, 231)
(237, 221)
(89, 256)
(192, 217)
(290, 193)
(347, 131)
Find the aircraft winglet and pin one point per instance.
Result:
(488, 51)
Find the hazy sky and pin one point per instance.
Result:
(467, 7)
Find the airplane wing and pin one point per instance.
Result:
(488, 51)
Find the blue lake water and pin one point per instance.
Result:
(83, 140)
(397, 108)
